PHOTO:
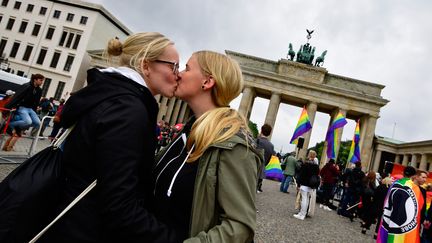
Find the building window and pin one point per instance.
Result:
(68, 64)
(69, 40)
(50, 33)
(20, 73)
(42, 11)
(2, 46)
(63, 37)
(59, 90)
(41, 57)
(10, 23)
(30, 8)
(17, 5)
(83, 20)
(14, 50)
(77, 39)
(70, 17)
(55, 59)
(23, 26)
(27, 52)
(56, 14)
(45, 86)
(5, 3)
(1, 17)
(36, 29)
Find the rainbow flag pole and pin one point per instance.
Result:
(303, 126)
(332, 135)
(354, 154)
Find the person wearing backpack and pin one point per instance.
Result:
(308, 170)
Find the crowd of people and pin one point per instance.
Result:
(366, 196)
(196, 182)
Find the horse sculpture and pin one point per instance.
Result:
(320, 60)
(291, 52)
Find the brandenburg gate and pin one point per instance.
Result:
(300, 84)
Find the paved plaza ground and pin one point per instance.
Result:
(275, 223)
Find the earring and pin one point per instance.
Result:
(202, 87)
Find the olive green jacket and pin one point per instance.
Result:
(223, 208)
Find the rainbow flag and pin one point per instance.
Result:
(332, 135)
(303, 126)
(273, 169)
(354, 154)
(402, 209)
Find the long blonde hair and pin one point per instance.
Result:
(217, 125)
(139, 47)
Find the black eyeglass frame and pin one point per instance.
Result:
(175, 65)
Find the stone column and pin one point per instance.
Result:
(311, 110)
(423, 162)
(158, 98)
(162, 109)
(377, 160)
(170, 109)
(397, 159)
(272, 110)
(182, 118)
(363, 128)
(405, 160)
(246, 103)
(414, 161)
(174, 117)
(338, 140)
(367, 142)
(188, 113)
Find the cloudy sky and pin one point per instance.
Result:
(386, 42)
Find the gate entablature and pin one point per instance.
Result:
(299, 84)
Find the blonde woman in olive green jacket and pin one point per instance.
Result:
(205, 179)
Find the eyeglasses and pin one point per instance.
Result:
(175, 65)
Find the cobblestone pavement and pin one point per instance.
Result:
(275, 221)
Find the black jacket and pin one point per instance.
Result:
(306, 171)
(27, 96)
(113, 141)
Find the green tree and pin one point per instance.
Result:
(253, 128)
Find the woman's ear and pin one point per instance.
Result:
(145, 68)
(209, 83)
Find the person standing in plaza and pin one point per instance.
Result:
(56, 121)
(113, 140)
(308, 168)
(205, 179)
(26, 100)
(368, 211)
(264, 144)
(353, 189)
(402, 211)
(329, 175)
(290, 163)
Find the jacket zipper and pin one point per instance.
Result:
(183, 137)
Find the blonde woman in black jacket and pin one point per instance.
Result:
(114, 141)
